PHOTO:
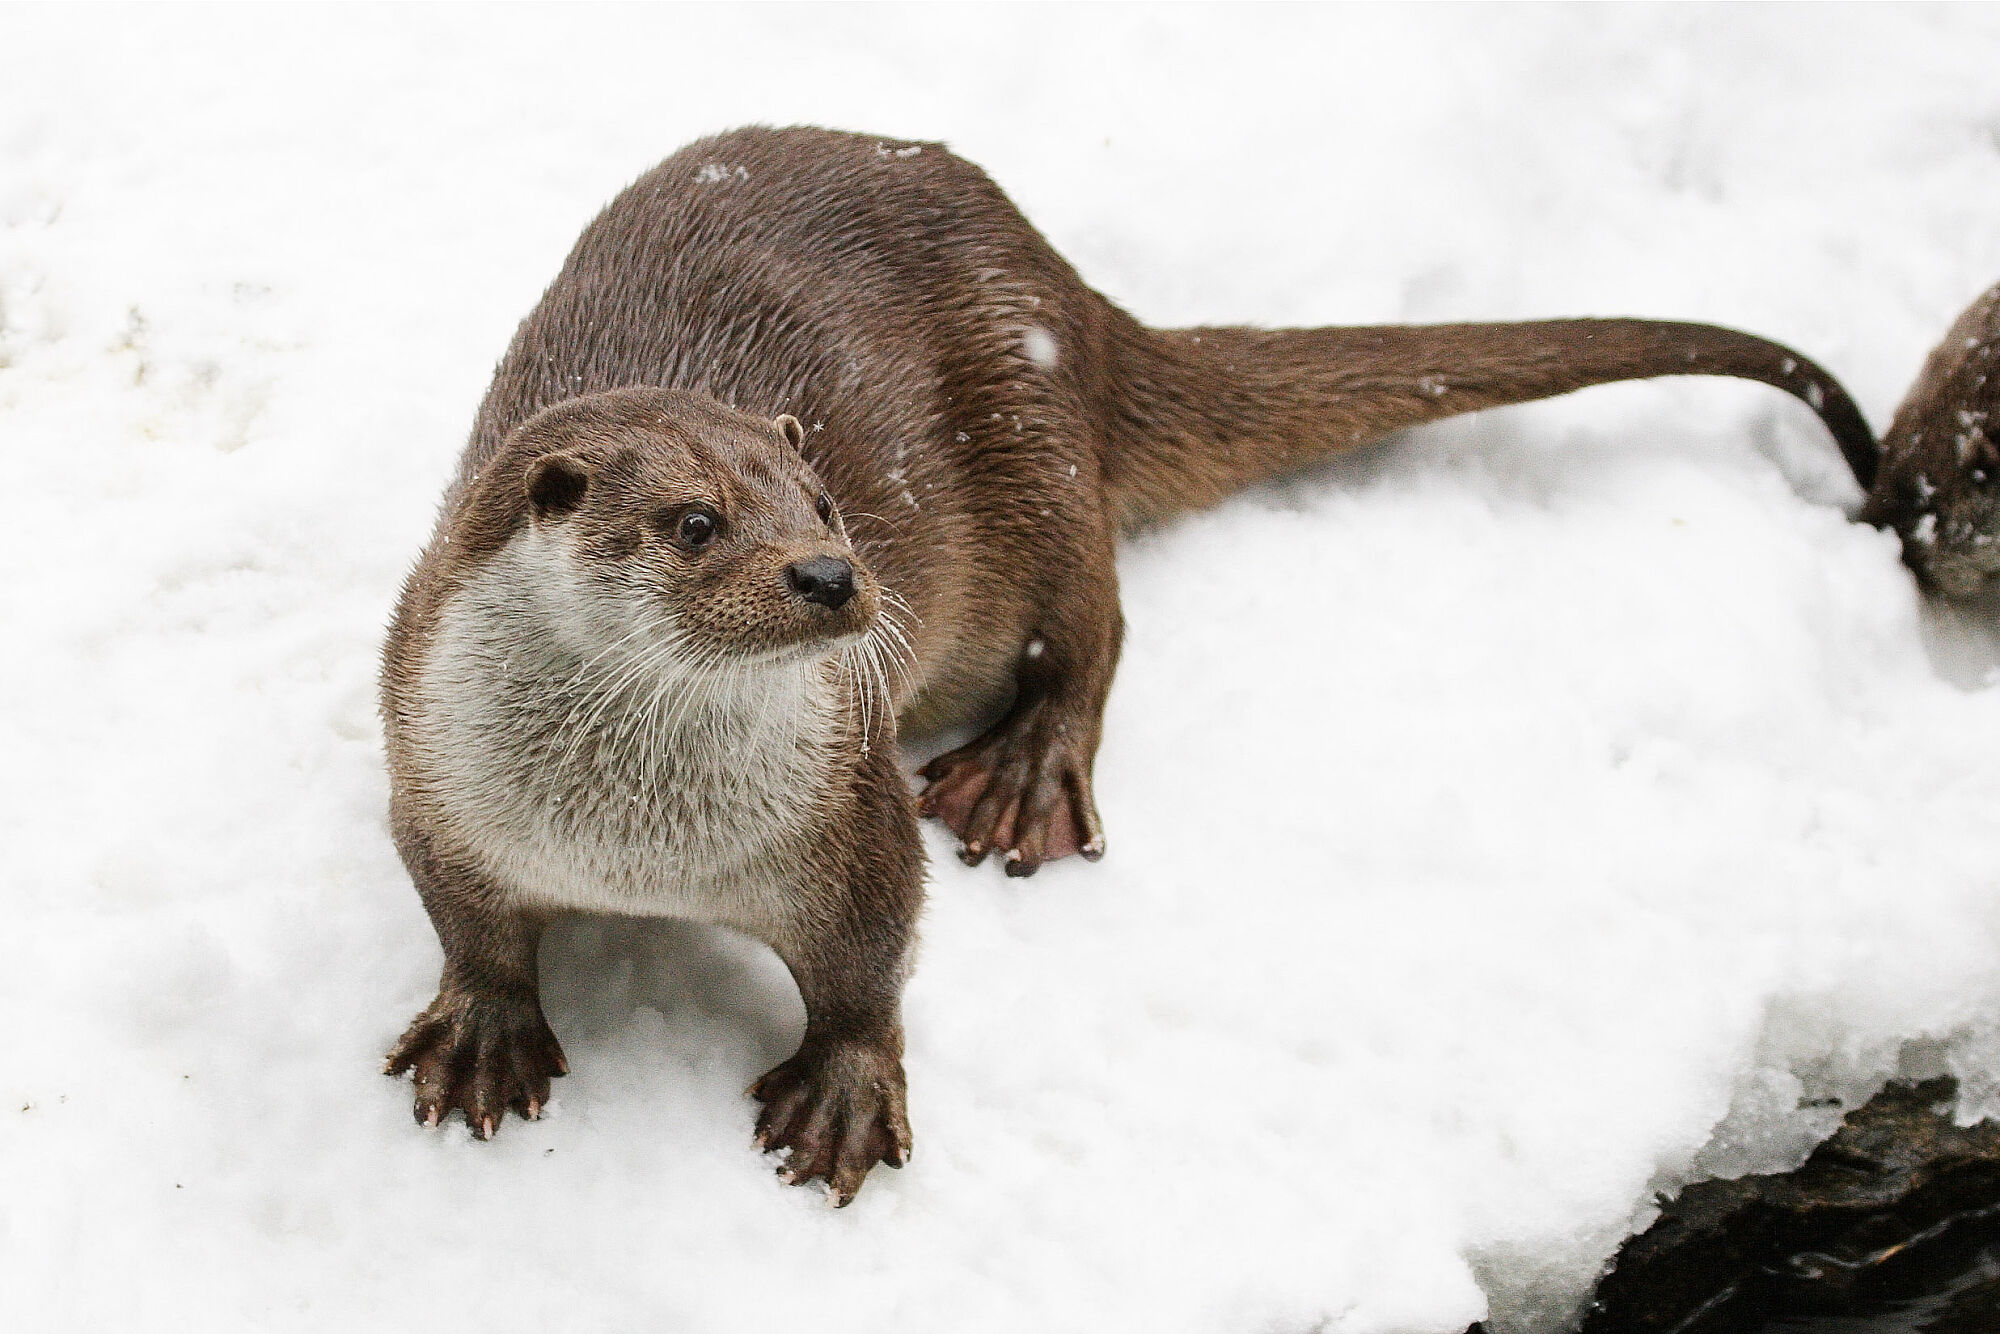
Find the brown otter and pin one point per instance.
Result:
(656, 654)
(1939, 487)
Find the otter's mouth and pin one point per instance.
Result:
(1960, 579)
(1957, 559)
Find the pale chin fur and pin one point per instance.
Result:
(587, 760)
(808, 652)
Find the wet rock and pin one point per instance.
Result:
(1899, 1209)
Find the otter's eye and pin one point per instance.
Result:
(697, 528)
(825, 508)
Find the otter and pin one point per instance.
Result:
(1939, 485)
(814, 442)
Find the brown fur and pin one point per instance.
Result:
(1939, 487)
(988, 426)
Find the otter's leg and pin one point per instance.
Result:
(483, 1045)
(1023, 788)
(836, 1108)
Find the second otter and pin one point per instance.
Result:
(1939, 487)
(815, 437)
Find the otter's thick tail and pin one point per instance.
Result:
(1202, 413)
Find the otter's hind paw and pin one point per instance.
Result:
(1021, 790)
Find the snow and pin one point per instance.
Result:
(1039, 345)
(1506, 824)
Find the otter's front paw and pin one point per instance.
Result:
(479, 1054)
(1021, 790)
(838, 1109)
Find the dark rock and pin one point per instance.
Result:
(1899, 1197)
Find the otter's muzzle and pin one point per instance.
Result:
(826, 580)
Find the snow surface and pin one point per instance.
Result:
(1525, 817)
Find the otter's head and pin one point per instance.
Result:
(1939, 485)
(673, 511)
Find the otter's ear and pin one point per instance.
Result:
(795, 433)
(556, 483)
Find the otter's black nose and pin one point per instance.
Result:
(823, 579)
